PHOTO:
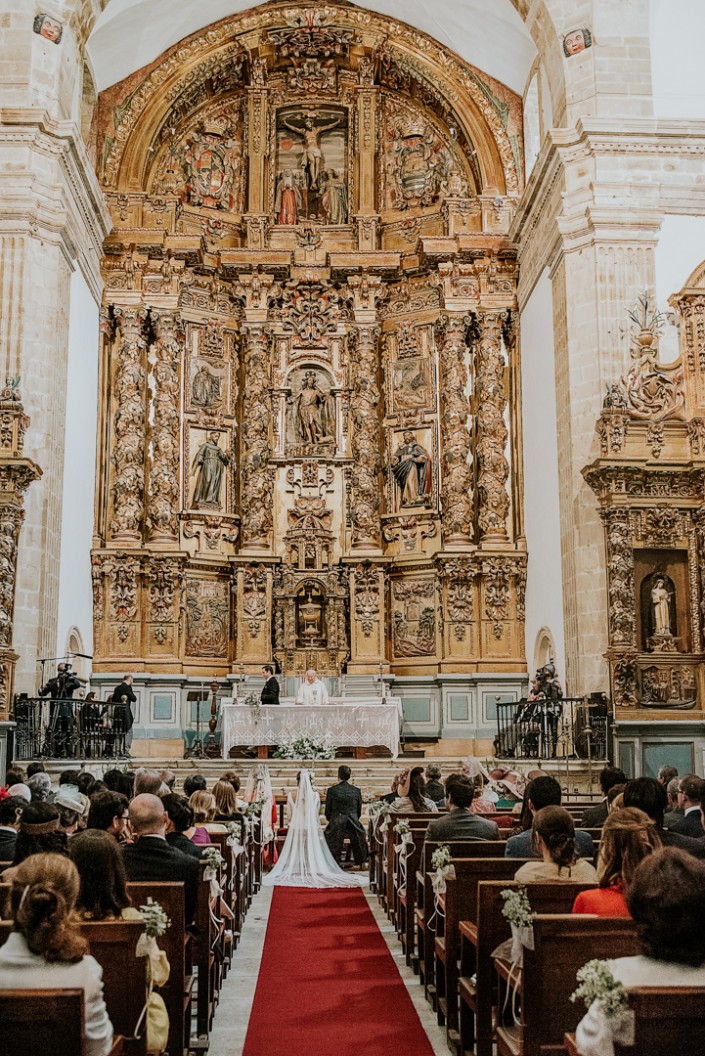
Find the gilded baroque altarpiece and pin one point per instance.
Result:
(309, 437)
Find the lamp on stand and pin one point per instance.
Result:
(212, 750)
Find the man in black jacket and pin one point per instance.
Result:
(10, 810)
(270, 690)
(123, 717)
(180, 819)
(61, 718)
(691, 793)
(649, 795)
(343, 810)
(150, 857)
(595, 817)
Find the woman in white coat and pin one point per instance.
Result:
(46, 950)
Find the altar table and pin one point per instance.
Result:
(358, 724)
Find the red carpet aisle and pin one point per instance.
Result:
(328, 985)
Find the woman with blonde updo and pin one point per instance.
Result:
(46, 950)
(628, 836)
(203, 805)
(554, 840)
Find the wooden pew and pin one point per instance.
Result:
(425, 911)
(563, 943)
(45, 1023)
(207, 944)
(460, 903)
(391, 838)
(177, 991)
(479, 939)
(668, 1020)
(113, 943)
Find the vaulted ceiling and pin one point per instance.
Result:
(489, 34)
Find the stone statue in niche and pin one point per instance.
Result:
(412, 472)
(658, 600)
(311, 166)
(209, 464)
(205, 388)
(314, 412)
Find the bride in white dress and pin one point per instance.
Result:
(305, 860)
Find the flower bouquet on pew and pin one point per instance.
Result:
(517, 910)
(440, 863)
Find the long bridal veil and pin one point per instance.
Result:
(305, 860)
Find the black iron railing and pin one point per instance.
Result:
(568, 728)
(69, 729)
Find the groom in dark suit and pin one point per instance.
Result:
(343, 810)
(270, 690)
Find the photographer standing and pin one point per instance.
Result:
(61, 718)
(123, 718)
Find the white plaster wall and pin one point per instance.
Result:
(681, 247)
(544, 588)
(677, 29)
(75, 591)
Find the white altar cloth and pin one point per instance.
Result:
(356, 723)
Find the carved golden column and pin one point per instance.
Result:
(365, 400)
(163, 491)
(257, 216)
(367, 218)
(492, 433)
(129, 428)
(256, 474)
(16, 474)
(456, 474)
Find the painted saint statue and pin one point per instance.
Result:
(209, 463)
(411, 466)
(661, 605)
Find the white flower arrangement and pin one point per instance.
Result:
(402, 827)
(212, 858)
(306, 746)
(254, 702)
(253, 809)
(517, 908)
(598, 984)
(155, 919)
(441, 857)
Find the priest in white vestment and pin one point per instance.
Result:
(312, 690)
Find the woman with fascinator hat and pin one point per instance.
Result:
(305, 860)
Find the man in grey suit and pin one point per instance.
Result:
(460, 823)
(343, 810)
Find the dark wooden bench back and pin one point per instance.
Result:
(170, 897)
(563, 943)
(113, 943)
(42, 1022)
(669, 1021)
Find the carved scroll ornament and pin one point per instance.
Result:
(492, 434)
(164, 468)
(367, 598)
(129, 426)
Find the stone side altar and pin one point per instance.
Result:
(359, 723)
(310, 449)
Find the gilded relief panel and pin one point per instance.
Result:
(207, 618)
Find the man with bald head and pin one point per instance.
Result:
(150, 857)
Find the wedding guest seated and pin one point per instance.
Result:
(35, 768)
(674, 808)
(460, 823)
(433, 789)
(86, 783)
(691, 794)
(615, 798)
(666, 774)
(15, 776)
(649, 795)
(103, 896)
(150, 857)
(194, 783)
(69, 777)
(234, 780)
(73, 808)
(168, 778)
(667, 900)
(594, 817)
(21, 790)
(485, 801)
(391, 796)
(204, 807)
(147, 781)
(628, 836)
(226, 808)
(46, 950)
(10, 812)
(411, 797)
(180, 820)
(554, 839)
(40, 787)
(109, 813)
(39, 832)
(542, 792)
